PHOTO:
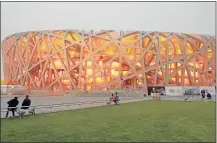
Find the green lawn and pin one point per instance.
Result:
(145, 121)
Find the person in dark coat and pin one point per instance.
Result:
(26, 103)
(11, 104)
(209, 95)
(203, 93)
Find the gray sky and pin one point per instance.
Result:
(186, 17)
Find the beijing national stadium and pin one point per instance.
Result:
(67, 60)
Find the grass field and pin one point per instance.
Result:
(145, 121)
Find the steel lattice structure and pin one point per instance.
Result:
(64, 60)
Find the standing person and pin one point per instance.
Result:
(117, 99)
(153, 92)
(11, 104)
(203, 93)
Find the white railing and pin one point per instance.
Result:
(121, 93)
(64, 104)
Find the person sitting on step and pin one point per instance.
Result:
(209, 95)
(12, 106)
(25, 107)
(203, 94)
(110, 101)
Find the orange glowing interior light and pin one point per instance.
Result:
(129, 50)
(130, 57)
(100, 63)
(140, 75)
(138, 82)
(76, 36)
(196, 74)
(108, 78)
(99, 79)
(90, 80)
(115, 64)
(89, 71)
(191, 73)
(197, 65)
(173, 65)
(89, 63)
(82, 79)
(68, 37)
(163, 39)
(178, 49)
(4, 82)
(179, 72)
(186, 73)
(57, 42)
(42, 47)
(191, 63)
(114, 73)
(124, 72)
(66, 81)
(138, 64)
(173, 78)
(128, 39)
(145, 41)
(88, 87)
(72, 53)
(210, 53)
(57, 63)
(111, 49)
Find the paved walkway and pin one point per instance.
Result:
(50, 100)
(90, 102)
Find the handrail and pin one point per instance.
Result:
(64, 104)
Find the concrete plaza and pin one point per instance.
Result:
(68, 102)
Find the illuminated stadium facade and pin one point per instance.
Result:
(66, 60)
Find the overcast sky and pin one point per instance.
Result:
(186, 17)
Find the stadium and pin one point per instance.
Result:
(67, 60)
